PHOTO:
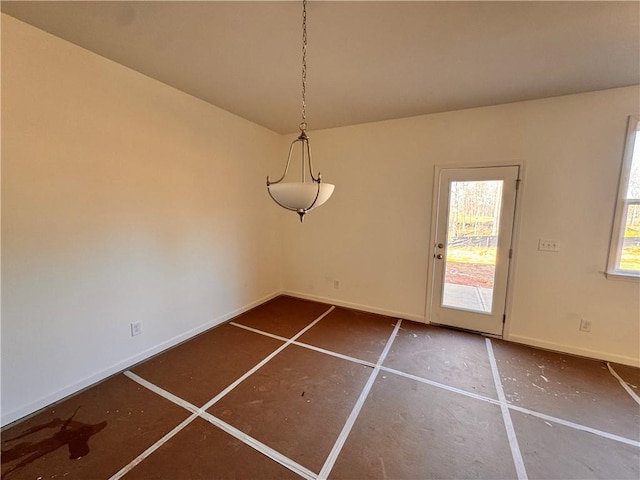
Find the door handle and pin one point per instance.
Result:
(439, 256)
(441, 245)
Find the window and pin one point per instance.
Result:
(624, 253)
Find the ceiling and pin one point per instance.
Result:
(367, 60)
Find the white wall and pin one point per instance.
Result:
(122, 200)
(373, 235)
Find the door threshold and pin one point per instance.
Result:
(466, 330)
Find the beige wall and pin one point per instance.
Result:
(373, 235)
(122, 200)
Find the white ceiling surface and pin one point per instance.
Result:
(367, 61)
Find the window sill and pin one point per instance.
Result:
(628, 276)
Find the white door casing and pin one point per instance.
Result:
(460, 296)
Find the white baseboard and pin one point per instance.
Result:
(583, 352)
(355, 306)
(533, 342)
(86, 382)
(43, 402)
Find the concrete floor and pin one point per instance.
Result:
(468, 297)
(299, 389)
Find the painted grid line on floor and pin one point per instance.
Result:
(624, 384)
(263, 362)
(342, 438)
(211, 402)
(331, 459)
(543, 416)
(127, 468)
(306, 345)
(240, 435)
(576, 426)
(433, 383)
(261, 447)
(508, 424)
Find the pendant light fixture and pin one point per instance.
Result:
(301, 197)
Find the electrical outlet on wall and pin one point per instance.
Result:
(136, 328)
(548, 245)
(585, 325)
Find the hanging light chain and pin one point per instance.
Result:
(294, 196)
(303, 123)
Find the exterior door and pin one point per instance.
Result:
(474, 225)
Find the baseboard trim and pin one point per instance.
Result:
(582, 352)
(532, 342)
(355, 306)
(97, 377)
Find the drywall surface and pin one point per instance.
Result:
(373, 235)
(123, 200)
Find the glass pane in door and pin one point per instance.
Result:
(472, 240)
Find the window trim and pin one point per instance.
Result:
(620, 213)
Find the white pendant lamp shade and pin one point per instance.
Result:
(300, 196)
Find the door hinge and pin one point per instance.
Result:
(510, 253)
(518, 183)
(504, 318)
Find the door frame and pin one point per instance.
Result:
(514, 238)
